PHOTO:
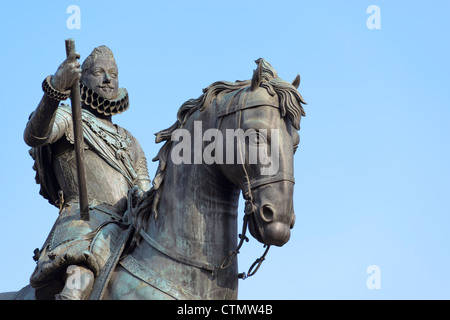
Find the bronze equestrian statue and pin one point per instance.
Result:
(182, 239)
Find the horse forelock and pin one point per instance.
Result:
(290, 100)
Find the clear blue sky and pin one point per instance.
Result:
(372, 171)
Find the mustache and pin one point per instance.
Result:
(103, 86)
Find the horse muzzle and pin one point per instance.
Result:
(272, 214)
(268, 231)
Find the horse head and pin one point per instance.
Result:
(260, 123)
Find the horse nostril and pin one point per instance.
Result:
(293, 220)
(267, 213)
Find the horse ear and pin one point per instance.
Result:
(296, 82)
(257, 75)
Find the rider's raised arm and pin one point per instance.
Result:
(40, 126)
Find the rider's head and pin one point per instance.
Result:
(99, 73)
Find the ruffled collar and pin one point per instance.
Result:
(104, 106)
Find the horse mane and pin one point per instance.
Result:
(290, 103)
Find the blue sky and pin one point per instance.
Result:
(372, 174)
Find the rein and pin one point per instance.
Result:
(250, 209)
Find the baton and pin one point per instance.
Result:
(78, 137)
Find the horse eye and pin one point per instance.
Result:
(257, 139)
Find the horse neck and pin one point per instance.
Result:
(197, 211)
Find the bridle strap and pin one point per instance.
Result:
(267, 180)
(237, 105)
